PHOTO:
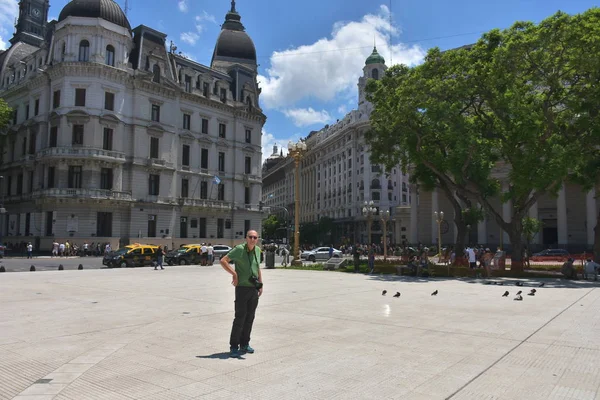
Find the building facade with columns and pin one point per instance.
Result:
(337, 176)
(117, 138)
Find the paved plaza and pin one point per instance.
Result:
(163, 335)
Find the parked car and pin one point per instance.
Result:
(220, 250)
(552, 253)
(320, 253)
(187, 254)
(1, 251)
(132, 255)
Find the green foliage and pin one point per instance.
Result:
(524, 101)
(270, 226)
(5, 114)
(531, 227)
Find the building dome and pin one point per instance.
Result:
(233, 43)
(375, 58)
(105, 9)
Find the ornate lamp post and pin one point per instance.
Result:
(385, 217)
(297, 150)
(369, 210)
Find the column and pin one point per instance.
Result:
(590, 206)
(561, 212)
(413, 237)
(482, 231)
(506, 214)
(533, 213)
(434, 208)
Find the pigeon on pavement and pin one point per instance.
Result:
(384, 292)
(519, 298)
(541, 284)
(533, 291)
(505, 294)
(397, 294)
(434, 293)
(519, 283)
(531, 294)
(519, 292)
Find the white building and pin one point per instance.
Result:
(337, 177)
(116, 138)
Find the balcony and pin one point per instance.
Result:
(82, 152)
(84, 194)
(214, 204)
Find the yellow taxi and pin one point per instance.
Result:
(132, 255)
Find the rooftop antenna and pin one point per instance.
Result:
(126, 10)
(390, 40)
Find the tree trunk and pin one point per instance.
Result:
(515, 233)
(459, 222)
(597, 240)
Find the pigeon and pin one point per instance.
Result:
(519, 283)
(518, 298)
(384, 292)
(434, 293)
(541, 284)
(397, 294)
(519, 292)
(505, 294)
(533, 291)
(531, 294)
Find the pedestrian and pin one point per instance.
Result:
(472, 258)
(330, 251)
(591, 268)
(247, 279)
(210, 250)
(371, 260)
(160, 258)
(54, 248)
(356, 256)
(285, 253)
(203, 254)
(29, 250)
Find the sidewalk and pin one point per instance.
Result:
(163, 335)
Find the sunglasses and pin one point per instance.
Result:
(253, 237)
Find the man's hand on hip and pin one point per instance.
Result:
(234, 282)
(260, 291)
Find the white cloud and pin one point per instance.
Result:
(307, 116)
(189, 37)
(332, 66)
(9, 9)
(342, 109)
(204, 17)
(183, 5)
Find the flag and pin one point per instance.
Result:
(216, 180)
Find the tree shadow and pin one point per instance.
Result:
(220, 356)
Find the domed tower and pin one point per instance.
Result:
(374, 69)
(105, 9)
(233, 46)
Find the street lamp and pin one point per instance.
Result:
(297, 150)
(439, 217)
(369, 210)
(385, 217)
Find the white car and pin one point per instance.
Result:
(220, 250)
(320, 253)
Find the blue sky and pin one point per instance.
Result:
(311, 52)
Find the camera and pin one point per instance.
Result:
(254, 280)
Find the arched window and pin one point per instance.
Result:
(84, 50)
(375, 184)
(156, 72)
(110, 55)
(375, 74)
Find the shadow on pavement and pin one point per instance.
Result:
(219, 356)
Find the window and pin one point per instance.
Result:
(52, 142)
(109, 101)
(106, 178)
(223, 95)
(248, 165)
(153, 147)
(185, 158)
(156, 73)
(153, 184)
(204, 125)
(84, 50)
(20, 184)
(27, 111)
(36, 107)
(63, 51)
(202, 231)
(151, 225)
(75, 177)
(183, 227)
(187, 121)
(80, 97)
(104, 224)
(375, 196)
(220, 228)
(375, 74)
(185, 187)
(49, 223)
(56, 99)
(15, 116)
(107, 139)
(110, 56)
(9, 187)
(205, 89)
(32, 143)
(204, 158)
(246, 195)
(188, 84)
(77, 135)
(248, 136)
(221, 162)
(51, 174)
(155, 113)
(222, 130)
(246, 226)
(221, 192)
(204, 190)
(194, 223)
(248, 101)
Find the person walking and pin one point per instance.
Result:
(247, 279)
(160, 259)
(29, 250)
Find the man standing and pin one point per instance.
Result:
(29, 250)
(211, 254)
(160, 258)
(247, 280)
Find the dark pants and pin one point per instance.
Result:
(246, 301)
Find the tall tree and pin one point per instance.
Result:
(519, 108)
